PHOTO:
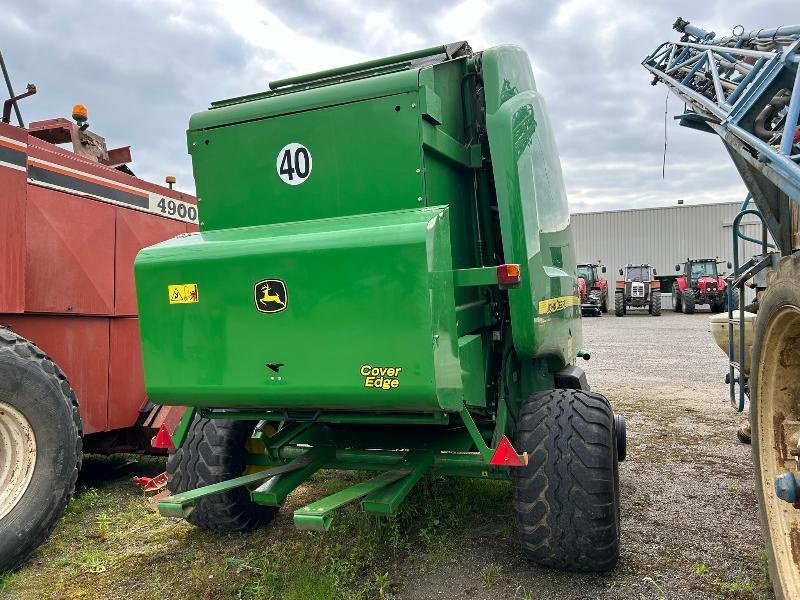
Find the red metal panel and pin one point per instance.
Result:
(125, 379)
(136, 230)
(12, 218)
(70, 260)
(79, 345)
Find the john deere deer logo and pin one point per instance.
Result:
(270, 296)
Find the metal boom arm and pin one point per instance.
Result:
(746, 89)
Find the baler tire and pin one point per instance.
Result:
(688, 302)
(677, 306)
(655, 304)
(566, 499)
(36, 401)
(619, 305)
(214, 451)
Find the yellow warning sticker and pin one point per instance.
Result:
(182, 293)
(552, 305)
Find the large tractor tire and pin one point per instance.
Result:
(717, 306)
(677, 301)
(566, 499)
(655, 304)
(619, 305)
(688, 302)
(40, 447)
(604, 303)
(735, 302)
(775, 374)
(214, 451)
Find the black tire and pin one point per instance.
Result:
(677, 305)
(214, 451)
(655, 304)
(604, 303)
(35, 387)
(566, 500)
(688, 302)
(619, 305)
(783, 290)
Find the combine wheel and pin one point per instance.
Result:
(619, 305)
(655, 304)
(566, 500)
(688, 302)
(40, 447)
(214, 451)
(773, 411)
(677, 304)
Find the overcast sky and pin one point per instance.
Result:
(143, 67)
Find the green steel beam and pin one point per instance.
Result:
(386, 500)
(181, 505)
(317, 515)
(182, 430)
(437, 418)
(274, 491)
(476, 436)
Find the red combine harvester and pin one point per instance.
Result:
(71, 222)
(700, 283)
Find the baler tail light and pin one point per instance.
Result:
(508, 274)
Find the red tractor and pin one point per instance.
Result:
(700, 283)
(592, 289)
(72, 218)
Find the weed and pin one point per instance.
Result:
(492, 573)
(700, 569)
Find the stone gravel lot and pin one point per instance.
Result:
(689, 514)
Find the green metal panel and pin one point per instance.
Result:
(473, 369)
(365, 157)
(372, 291)
(534, 216)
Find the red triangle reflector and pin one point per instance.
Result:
(505, 455)
(162, 439)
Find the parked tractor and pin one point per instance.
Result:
(594, 291)
(638, 288)
(700, 283)
(72, 218)
(364, 296)
(745, 88)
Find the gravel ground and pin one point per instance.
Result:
(689, 513)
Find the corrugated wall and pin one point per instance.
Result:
(661, 236)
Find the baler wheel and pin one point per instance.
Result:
(566, 500)
(688, 302)
(214, 451)
(40, 447)
(655, 304)
(619, 305)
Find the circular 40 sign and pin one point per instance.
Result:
(293, 163)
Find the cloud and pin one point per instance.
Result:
(144, 67)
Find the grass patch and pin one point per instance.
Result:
(110, 544)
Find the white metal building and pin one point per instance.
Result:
(662, 236)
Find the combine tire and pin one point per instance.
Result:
(677, 305)
(655, 304)
(775, 372)
(40, 447)
(688, 302)
(619, 305)
(566, 500)
(214, 451)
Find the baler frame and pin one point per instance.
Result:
(284, 465)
